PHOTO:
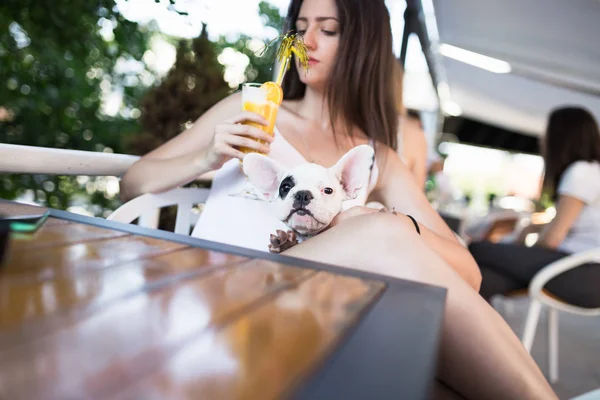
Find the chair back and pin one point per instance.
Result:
(146, 208)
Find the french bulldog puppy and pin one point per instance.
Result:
(309, 196)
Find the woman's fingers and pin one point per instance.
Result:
(229, 151)
(240, 141)
(232, 135)
(248, 116)
(250, 131)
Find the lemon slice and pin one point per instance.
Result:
(274, 92)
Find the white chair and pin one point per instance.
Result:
(147, 208)
(539, 298)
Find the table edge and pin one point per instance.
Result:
(381, 361)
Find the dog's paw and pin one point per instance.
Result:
(282, 241)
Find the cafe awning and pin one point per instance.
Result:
(545, 53)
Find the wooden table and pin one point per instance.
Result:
(94, 309)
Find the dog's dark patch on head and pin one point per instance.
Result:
(285, 186)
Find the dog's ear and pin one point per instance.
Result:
(264, 173)
(354, 169)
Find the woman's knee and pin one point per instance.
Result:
(392, 238)
(380, 242)
(379, 236)
(383, 228)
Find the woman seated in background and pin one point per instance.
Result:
(571, 151)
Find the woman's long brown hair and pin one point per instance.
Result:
(361, 88)
(571, 135)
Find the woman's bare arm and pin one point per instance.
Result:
(397, 189)
(187, 156)
(554, 233)
(456, 255)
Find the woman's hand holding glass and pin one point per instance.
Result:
(232, 135)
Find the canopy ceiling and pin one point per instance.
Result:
(553, 47)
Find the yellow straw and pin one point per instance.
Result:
(290, 43)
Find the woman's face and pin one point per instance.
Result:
(318, 23)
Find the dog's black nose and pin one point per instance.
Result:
(302, 198)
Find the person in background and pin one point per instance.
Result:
(412, 143)
(412, 146)
(571, 151)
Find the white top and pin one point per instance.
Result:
(228, 217)
(582, 180)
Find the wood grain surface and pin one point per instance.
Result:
(95, 313)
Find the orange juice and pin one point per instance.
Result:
(264, 100)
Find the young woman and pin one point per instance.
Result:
(571, 150)
(347, 99)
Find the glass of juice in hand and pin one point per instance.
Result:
(263, 99)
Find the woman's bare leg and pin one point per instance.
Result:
(480, 357)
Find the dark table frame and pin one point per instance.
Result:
(378, 357)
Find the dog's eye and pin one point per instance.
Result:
(286, 185)
(328, 190)
(285, 189)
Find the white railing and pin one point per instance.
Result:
(17, 159)
(48, 161)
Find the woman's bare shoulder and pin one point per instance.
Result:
(391, 172)
(231, 104)
(387, 159)
(413, 134)
(414, 148)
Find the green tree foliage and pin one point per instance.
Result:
(193, 85)
(56, 59)
(260, 67)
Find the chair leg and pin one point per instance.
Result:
(533, 316)
(553, 344)
(509, 306)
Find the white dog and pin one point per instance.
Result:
(309, 196)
